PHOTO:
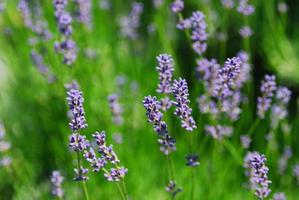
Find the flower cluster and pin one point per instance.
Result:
(75, 101)
(33, 20)
(268, 87)
(198, 31)
(116, 109)
(245, 8)
(279, 108)
(177, 6)
(83, 12)
(245, 69)
(130, 24)
(218, 132)
(56, 180)
(227, 76)
(172, 189)
(4, 147)
(284, 159)
(165, 69)
(246, 32)
(107, 155)
(245, 141)
(183, 111)
(296, 172)
(38, 62)
(154, 115)
(227, 4)
(279, 196)
(192, 160)
(67, 46)
(258, 172)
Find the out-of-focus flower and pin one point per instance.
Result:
(279, 196)
(245, 8)
(282, 7)
(83, 11)
(268, 87)
(228, 4)
(172, 189)
(245, 141)
(284, 159)
(129, 24)
(56, 180)
(246, 32)
(177, 6)
(218, 132)
(165, 69)
(192, 160)
(116, 109)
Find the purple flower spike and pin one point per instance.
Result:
(192, 160)
(267, 89)
(227, 4)
(75, 101)
(153, 106)
(165, 69)
(258, 171)
(245, 8)
(78, 142)
(84, 11)
(81, 174)
(246, 32)
(279, 196)
(116, 109)
(116, 174)
(56, 180)
(173, 189)
(219, 132)
(177, 6)
(227, 77)
(183, 111)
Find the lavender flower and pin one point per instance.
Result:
(81, 174)
(177, 6)
(78, 142)
(279, 108)
(245, 69)
(75, 101)
(172, 189)
(56, 180)
(227, 77)
(118, 138)
(153, 106)
(157, 3)
(267, 89)
(38, 61)
(258, 172)
(296, 172)
(67, 46)
(279, 196)
(165, 69)
(282, 7)
(96, 163)
(245, 32)
(207, 70)
(116, 109)
(73, 85)
(5, 161)
(84, 11)
(130, 24)
(165, 103)
(105, 4)
(284, 159)
(116, 174)
(219, 132)
(183, 111)
(207, 106)
(192, 160)
(245, 8)
(245, 141)
(198, 31)
(227, 4)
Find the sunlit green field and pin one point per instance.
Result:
(35, 114)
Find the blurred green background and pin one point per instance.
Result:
(34, 112)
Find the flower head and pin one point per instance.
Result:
(165, 69)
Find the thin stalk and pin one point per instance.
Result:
(253, 127)
(120, 191)
(125, 188)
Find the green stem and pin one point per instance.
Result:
(85, 190)
(125, 188)
(233, 151)
(253, 127)
(120, 191)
